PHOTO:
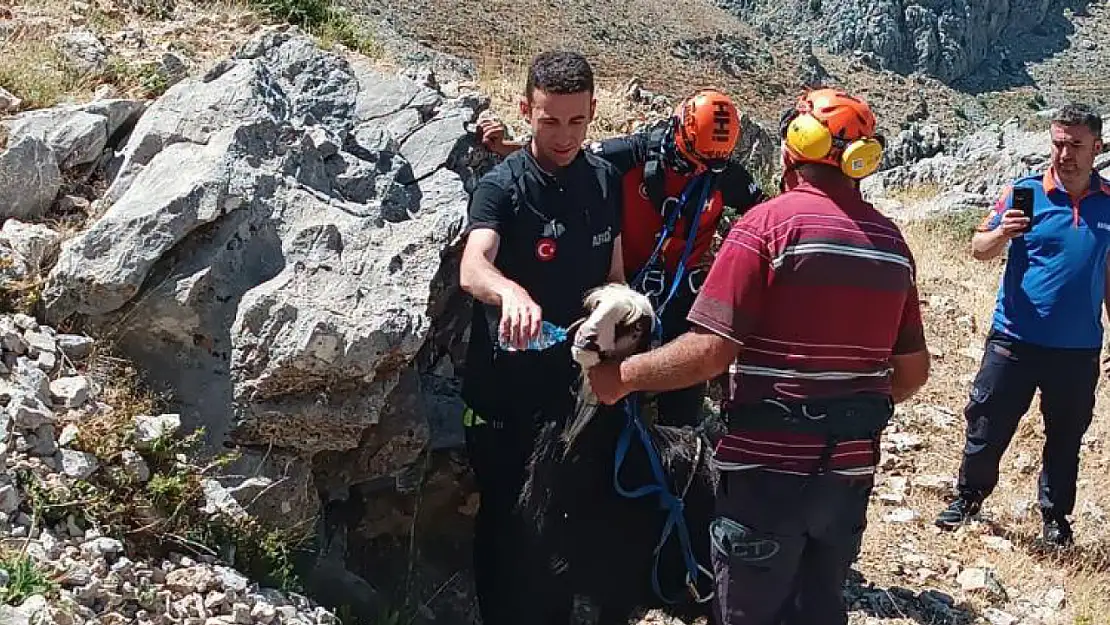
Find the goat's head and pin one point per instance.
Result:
(618, 323)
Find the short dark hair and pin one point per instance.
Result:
(1079, 115)
(559, 71)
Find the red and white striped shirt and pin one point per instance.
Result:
(819, 288)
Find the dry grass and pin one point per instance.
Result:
(34, 71)
(959, 298)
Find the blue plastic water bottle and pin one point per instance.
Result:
(550, 334)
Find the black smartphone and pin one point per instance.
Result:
(1023, 201)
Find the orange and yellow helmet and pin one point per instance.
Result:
(831, 127)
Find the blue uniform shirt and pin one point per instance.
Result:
(1052, 290)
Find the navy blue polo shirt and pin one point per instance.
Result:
(1055, 279)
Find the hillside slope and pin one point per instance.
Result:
(1037, 54)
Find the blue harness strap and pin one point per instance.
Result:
(700, 187)
(675, 507)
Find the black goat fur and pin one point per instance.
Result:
(600, 543)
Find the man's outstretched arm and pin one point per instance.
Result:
(697, 356)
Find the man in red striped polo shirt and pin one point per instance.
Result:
(812, 306)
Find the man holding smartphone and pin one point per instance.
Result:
(1047, 328)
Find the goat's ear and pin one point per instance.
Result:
(572, 331)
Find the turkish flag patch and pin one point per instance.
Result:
(545, 249)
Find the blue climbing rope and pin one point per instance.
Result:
(675, 507)
(699, 186)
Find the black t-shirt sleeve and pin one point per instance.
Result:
(490, 206)
(739, 190)
(624, 152)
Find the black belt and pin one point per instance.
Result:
(843, 418)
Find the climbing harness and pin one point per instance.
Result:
(673, 505)
(651, 279)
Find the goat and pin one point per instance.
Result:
(600, 543)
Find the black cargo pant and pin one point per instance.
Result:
(782, 546)
(513, 586)
(782, 543)
(1010, 372)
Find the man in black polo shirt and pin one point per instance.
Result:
(544, 229)
(657, 165)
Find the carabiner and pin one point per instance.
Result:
(657, 280)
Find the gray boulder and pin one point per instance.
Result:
(78, 135)
(29, 179)
(283, 267)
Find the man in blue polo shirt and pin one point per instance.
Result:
(1047, 327)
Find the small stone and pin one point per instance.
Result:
(25, 322)
(241, 612)
(263, 612)
(998, 617)
(215, 600)
(9, 499)
(39, 342)
(68, 435)
(103, 546)
(78, 464)
(74, 346)
(149, 429)
(5, 578)
(76, 575)
(191, 580)
(70, 392)
(123, 567)
(998, 543)
(231, 580)
(44, 441)
(902, 442)
(29, 413)
(934, 483)
(47, 361)
(135, 466)
(900, 515)
(1055, 598)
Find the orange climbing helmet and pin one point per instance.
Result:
(707, 127)
(829, 126)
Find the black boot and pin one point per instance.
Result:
(1057, 532)
(959, 512)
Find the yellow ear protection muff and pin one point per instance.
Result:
(810, 139)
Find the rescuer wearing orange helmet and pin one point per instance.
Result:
(811, 306)
(681, 167)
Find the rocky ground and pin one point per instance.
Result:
(64, 486)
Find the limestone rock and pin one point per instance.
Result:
(70, 392)
(286, 265)
(75, 347)
(149, 429)
(77, 464)
(947, 39)
(77, 134)
(29, 179)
